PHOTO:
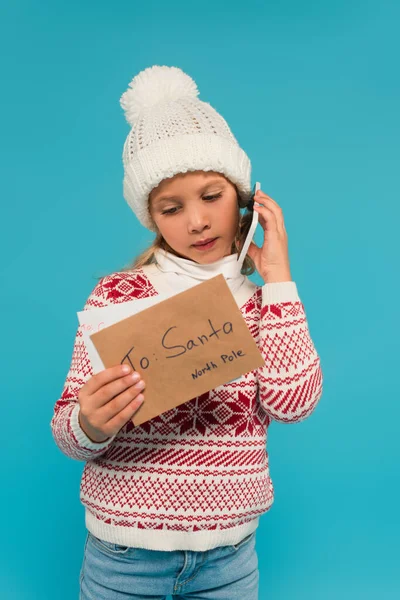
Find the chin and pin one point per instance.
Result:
(209, 258)
(204, 257)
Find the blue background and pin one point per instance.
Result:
(311, 91)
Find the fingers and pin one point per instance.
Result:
(110, 390)
(106, 376)
(109, 417)
(253, 251)
(261, 195)
(121, 402)
(126, 414)
(271, 215)
(109, 399)
(267, 218)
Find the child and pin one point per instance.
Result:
(172, 505)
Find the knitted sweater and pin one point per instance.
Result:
(197, 476)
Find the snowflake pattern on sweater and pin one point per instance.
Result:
(202, 465)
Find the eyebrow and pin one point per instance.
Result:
(202, 189)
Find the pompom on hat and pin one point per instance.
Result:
(172, 132)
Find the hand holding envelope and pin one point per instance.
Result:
(109, 400)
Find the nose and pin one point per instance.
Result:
(198, 220)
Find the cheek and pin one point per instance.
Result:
(168, 228)
(232, 222)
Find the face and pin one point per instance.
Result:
(197, 214)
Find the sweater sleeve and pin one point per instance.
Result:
(65, 427)
(290, 382)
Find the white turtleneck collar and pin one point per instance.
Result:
(172, 274)
(188, 270)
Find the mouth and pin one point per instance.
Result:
(205, 244)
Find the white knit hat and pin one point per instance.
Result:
(174, 132)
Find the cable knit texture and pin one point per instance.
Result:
(197, 476)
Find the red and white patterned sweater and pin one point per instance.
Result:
(197, 476)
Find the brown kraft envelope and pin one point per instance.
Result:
(182, 347)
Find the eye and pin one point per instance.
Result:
(170, 211)
(211, 198)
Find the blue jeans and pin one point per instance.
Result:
(113, 572)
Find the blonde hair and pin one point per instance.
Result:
(147, 257)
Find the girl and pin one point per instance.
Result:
(172, 505)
